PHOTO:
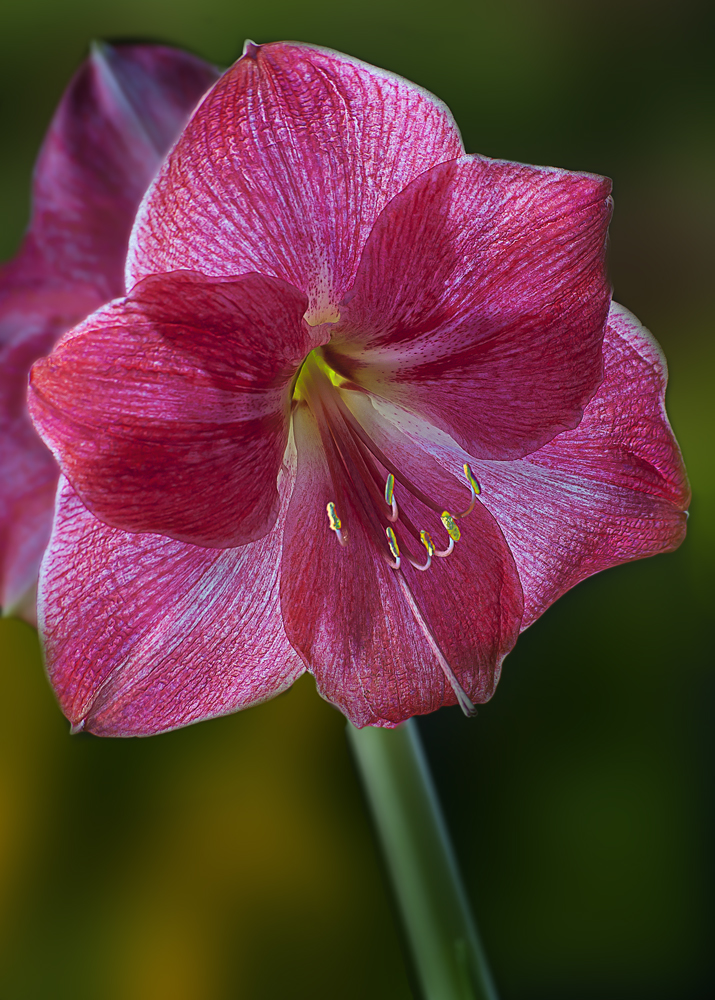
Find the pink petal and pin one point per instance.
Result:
(113, 127)
(346, 613)
(144, 634)
(480, 302)
(30, 321)
(615, 488)
(168, 410)
(26, 497)
(285, 168)
(612, 490)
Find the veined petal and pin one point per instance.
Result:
(285, 168)
(347, 613)
(612, 490)
(480, 302)
(168, 410)
(113, 127)
(177, 633)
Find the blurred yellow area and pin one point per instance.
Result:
(184, 865)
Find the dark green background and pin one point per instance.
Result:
(233, 859)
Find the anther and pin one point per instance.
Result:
(475, 489)
(335, 523)
(394, 547)
(472, 480)
(450, 526)
(426, 540)
(390, 498)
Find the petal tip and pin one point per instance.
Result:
(98, 49)
(250, 49)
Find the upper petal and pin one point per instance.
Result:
(116, 121)
(168, 410)
(480, 302)
(347, 612)
(285, 168)
(177, 633)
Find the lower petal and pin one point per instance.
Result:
(143, 634)
(346, 611)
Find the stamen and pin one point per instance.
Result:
(339, 453)
(475, 489)
(465, 702)
(426, 540)
(335, 523)
(390, 498)
(394, 547)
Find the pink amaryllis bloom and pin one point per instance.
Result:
(366, 410)
(116, 121)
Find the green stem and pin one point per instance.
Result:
(444, 945)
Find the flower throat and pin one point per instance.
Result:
(357, 464)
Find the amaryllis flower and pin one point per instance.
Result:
(366, 410)
(116, 121)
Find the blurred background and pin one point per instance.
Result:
(233, 859)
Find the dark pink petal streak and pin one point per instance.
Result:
(144, 634)
(480, 302)
(346, 615)
(285, 168)
(168, 411)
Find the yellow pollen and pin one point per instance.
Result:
(472, 479)
(392, 542)
(335, 522)
(451, 526)
(389, 488)
(314, 360)
(426, 540)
